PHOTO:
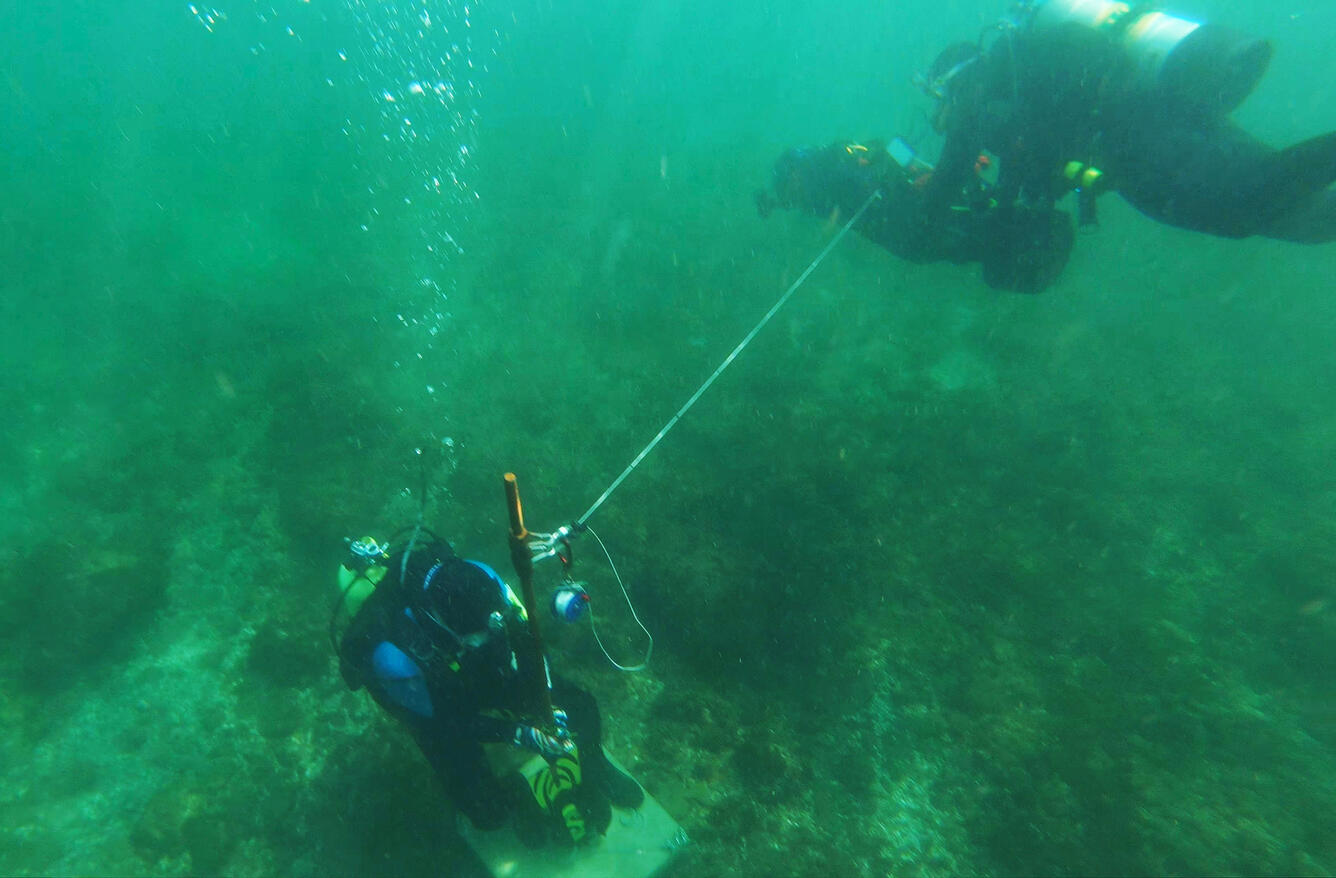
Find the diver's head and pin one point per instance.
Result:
(949, 78)
(466, 606)
(462, 594)
(948, 64)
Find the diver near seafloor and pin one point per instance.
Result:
(443, 645)
(1097, 96)
(1083, 96)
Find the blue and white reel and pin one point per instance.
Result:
(569, 602)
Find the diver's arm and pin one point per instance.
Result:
(448, 714)
(486, 729)
(400, 682)
(839, 177)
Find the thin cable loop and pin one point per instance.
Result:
(593, 626)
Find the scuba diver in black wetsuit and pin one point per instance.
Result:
(440, 643)
(1097, 95)
(1021, 249)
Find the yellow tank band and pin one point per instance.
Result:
(1082, 175)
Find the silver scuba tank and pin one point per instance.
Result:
(1195, 65)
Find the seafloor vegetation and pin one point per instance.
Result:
(942, 581)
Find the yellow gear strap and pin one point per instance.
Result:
(1081, 175)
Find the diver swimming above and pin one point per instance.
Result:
(1084, 96)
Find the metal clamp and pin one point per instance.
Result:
(552, 545)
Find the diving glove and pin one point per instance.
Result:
(545, 744)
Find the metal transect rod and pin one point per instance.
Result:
(728, 361)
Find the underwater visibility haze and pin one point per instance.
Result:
(942, 580)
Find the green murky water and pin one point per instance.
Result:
(942, 581)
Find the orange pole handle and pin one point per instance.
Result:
(513, 506)
(522, 560)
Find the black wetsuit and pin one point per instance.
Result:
(1039, 100)
(1020, 249)
(406, 645)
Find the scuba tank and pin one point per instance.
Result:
(358, 576)
(1194, 65)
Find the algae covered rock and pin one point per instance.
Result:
(71, 605)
